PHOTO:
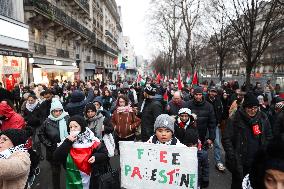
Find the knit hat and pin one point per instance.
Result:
(80, 120)
(125, 85)
(198, 90)
(151, 89)
(164, 121)
(250, 100)
(99, 100)
(213, 88)
(90, 106)
(190, 136)
(279, 105)
(55, 104)
(184, 111)
(17, 136)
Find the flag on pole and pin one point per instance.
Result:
(195, 79)
(158, 80)
(179, 81)
(115, 61)
(165, 96)
(188, 79)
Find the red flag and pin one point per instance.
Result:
(195, 79)
(165, 96)
(139, 78)
(158, 78)
(115, 61)
(179, 81)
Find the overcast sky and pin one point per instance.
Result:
(134, 25)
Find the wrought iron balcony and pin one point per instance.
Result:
(109, 33)
(62, 53)
(40, 49)
(101, 45)
(53, 13)
(84, 3)
(112, 50)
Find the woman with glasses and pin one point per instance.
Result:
(51, 133)
(247, 131)
(14, 159)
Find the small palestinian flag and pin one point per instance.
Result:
(78, 169)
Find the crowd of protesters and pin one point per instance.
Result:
(62, 117)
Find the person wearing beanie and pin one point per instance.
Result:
(183, 122)
(53, 131)
(191, 140)
(14, 159)
(250, 129)
(278, 125)
(164, 131)
(149, 110)
(81, 154)
(78, 102)
(267, 171)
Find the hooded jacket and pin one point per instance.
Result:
(13, 120)
(77, 103)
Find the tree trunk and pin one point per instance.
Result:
(248, 75)
(221, 69)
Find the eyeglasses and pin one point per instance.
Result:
(4, 139)
(253, 108)
(55, 111)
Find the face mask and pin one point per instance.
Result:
(74, 133)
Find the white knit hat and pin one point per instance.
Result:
(165, 121)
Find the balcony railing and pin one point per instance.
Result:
(52, 12)
(109, 33)
(101, 45)
(40, 49)
(62, 53)
(84, 3)
(112, 50)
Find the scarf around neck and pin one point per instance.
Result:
(7, 153)
(62, 124)
(124, 109)
(31, 107)
(182, 124)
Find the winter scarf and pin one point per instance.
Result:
(31, 107)
(62, 124)
(110, 144)
(7, 153)
(183, 124)
(126, 109)
(78, 169)
(96, 123)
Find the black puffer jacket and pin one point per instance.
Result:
(180, 132)
(77, 103)
(278, 127)
(151, 110)
(174, 108)
(33, 118)
(218, 108)
(205, 118)
(239, 142)
(49, 135)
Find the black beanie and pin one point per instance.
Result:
(17, 136)
(190, 136)
(250, 100)
(80, 120)
(90, 106)
(198, 90)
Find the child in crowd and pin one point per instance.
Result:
(164, 131)
(184, 121)
(191, 140)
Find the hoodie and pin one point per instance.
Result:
(13, 120)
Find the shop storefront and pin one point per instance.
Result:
(89, 71)
(13, 67)
(99, 73)
(47, 70)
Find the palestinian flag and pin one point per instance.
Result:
(78, 170)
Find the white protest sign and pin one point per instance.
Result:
(157, 166)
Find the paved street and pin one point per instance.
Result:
(217, 180)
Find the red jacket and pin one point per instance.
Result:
(10, 84)
(13, 120)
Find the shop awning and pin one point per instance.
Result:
(55, 68)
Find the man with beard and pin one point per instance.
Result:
(46, 104)
(206, 120)
(216, 102)
(237, 102)
(150, 109)
(175, 104)
(247, 131)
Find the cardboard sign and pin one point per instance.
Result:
(157, 166)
